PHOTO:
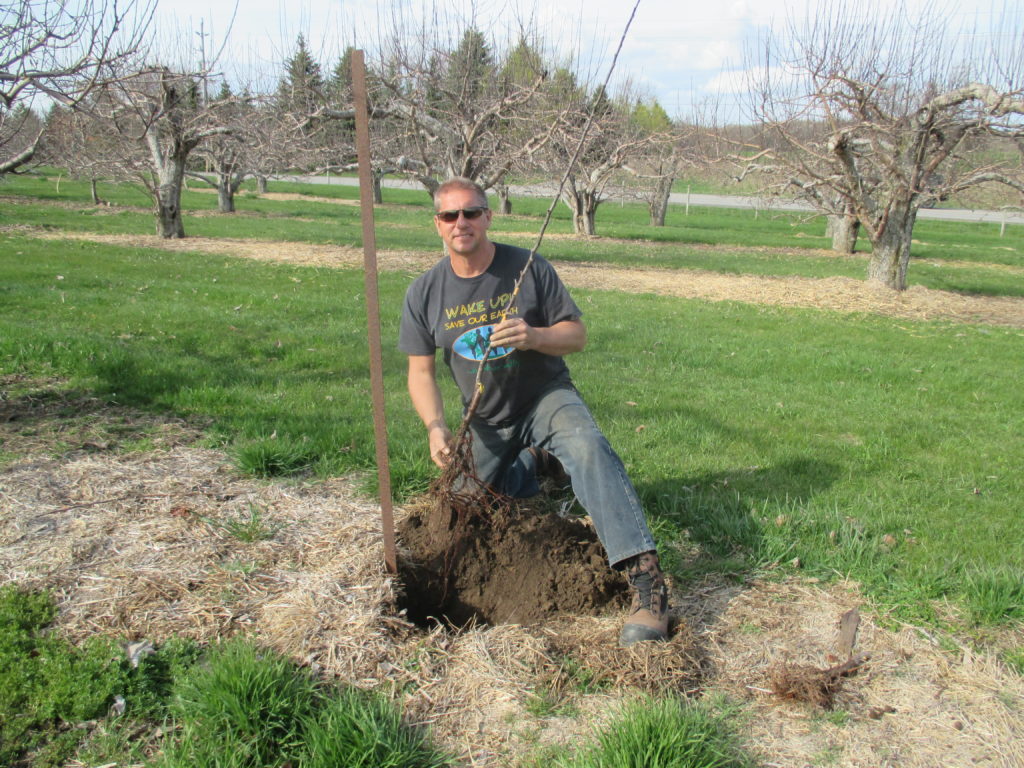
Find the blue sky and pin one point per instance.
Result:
(681, 52)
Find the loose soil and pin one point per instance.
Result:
(522, 565)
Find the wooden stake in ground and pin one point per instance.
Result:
(373, 308)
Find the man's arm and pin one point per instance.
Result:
(561, 338)
(426, 399)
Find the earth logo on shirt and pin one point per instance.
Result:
(473, 343)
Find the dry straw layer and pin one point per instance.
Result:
(139, 546)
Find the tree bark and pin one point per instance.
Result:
(169, 223)
(504, 201)
(261, 185)
(93, 192)
(583, 205)
(890, 249)
(659, 201)
(843, 229)
(225, 194)
(377, 179)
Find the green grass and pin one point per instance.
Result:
(275, 359)
(247, 708)
(234, 705)
(51, 691)
(741, 241)
(760, 436)
(660, 733)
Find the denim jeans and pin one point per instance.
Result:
(560, 422)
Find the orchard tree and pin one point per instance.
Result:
(873, 116)
(75, 140)
(58, 52)
(159, 117)
(669, 152)
(228, 155)
(450, 110)
(611, 141)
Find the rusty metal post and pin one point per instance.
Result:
(373, 308)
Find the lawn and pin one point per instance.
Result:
(764, 441)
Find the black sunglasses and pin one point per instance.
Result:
(449, 217)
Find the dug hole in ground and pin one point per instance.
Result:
(146, 546)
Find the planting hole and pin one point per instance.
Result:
(517, 567)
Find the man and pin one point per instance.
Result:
(530, 416)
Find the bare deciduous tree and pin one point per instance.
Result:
(59, 52)
(460, 112)
(871, 117)
(160, 118)
(612, 141)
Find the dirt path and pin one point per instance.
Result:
(840, 294)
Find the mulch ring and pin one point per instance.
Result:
(144, 545)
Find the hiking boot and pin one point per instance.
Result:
(548, 466)
(648, 616)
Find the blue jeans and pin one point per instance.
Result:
(560, 422)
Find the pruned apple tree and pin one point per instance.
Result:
(872, 116)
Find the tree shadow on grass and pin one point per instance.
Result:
(717, 522)
(46, 416)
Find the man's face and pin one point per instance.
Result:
(463, 237)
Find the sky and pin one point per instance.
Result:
(681, 52)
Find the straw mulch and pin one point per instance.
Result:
(146, 545)
(913, 704)
(841, 294)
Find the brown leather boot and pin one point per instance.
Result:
(648, 616)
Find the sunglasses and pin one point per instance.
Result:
(450, 217)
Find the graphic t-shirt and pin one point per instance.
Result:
(457, 314)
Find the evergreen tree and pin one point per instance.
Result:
(340, 88)
(651, 116)
(470, 69)
(301, 90)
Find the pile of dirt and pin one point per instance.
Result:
(519, 566)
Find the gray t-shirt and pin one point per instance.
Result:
(456, 314)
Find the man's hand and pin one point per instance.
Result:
(441, 440)
(561, 338)
(513, 332)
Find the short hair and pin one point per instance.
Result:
(461, 182)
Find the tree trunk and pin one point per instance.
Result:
(890, 250)
(225, 193)
(504, 202)
(168, 197)
(261, 184)
(659, 201)
(844, 231)
(583, 205)
(429, 183)
(377, 178)
(93, 192)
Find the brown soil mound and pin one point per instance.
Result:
(519, 566)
